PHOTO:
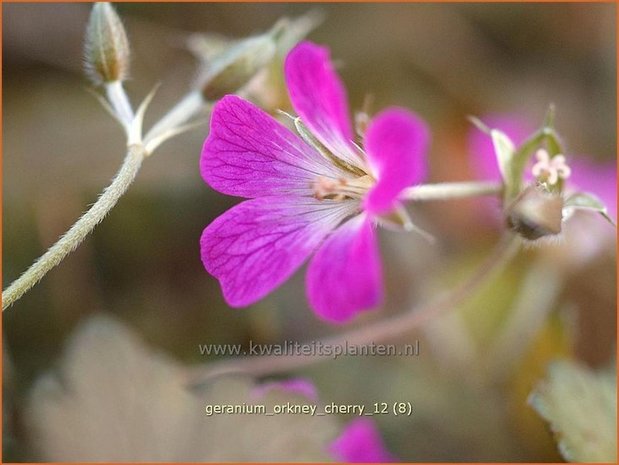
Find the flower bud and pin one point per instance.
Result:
(234, 67)
(106, 48)
(536, 213)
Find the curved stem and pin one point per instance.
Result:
(379, 332)
(76, 234)
(451, 190)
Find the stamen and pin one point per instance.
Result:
(342, 189)
(308, 137)
(362, 118)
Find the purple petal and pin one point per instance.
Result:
(297, 386)
(319, 98)
(345, 277)
(255, 246)
(250, 154)
(360, 442)
(481, 150)
(597, 178)
(396, 142)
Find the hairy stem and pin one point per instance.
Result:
(76, 234)
(451, 190)
(379, 332)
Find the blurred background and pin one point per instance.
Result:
(142, 264)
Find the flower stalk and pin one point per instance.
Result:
(106, 57)
(76, 234)
(119, 101)
(451, 190)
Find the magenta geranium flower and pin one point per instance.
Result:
(360, 442)
(321, 193)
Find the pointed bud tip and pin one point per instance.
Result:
(106, 47)
(236, 66)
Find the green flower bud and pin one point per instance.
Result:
(234, 67)
(536, 213)
(106, 48)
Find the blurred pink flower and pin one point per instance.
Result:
(597, 178)
(299, 386)
(306, 197)
(588, 234)
(360, 442)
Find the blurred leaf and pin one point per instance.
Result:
(115, 400)
(586, 201)
(581, 407)
(552, 342)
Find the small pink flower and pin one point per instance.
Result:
(589, 235)
(360, 442)
(322, 197)
(584, 174)
(548, 169)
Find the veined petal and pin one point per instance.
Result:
(319, 98)
(345, 276)
(360, 442)
(249, 154)
(255, 246)
(396, 143)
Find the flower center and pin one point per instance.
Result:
(550, 170)
(342, 188)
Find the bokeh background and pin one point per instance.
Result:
(445, 61)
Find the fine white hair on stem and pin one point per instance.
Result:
(106, 46)
(76, 234)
